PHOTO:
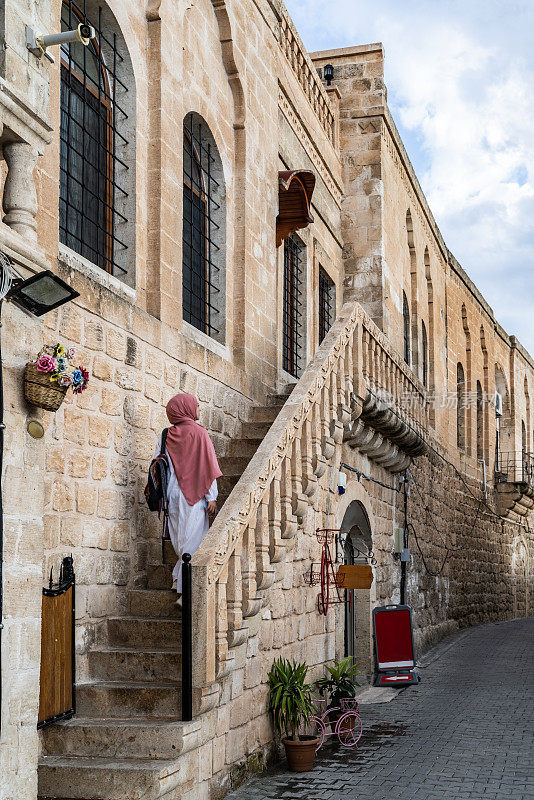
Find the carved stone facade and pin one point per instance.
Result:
(242, 69)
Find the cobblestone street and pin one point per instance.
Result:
(466, 731)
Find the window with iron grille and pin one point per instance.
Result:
(327, 303)
(203, 229)
(460, 407)
(93, 192)
(294, 313)
(406, 321)
(424, 347)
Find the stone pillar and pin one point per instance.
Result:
(20, 196)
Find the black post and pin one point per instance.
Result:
(187, 641)
(405, 545)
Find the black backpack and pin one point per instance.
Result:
(156, 487)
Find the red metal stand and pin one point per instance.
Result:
(326, 575)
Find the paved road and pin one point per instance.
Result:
(465, 732)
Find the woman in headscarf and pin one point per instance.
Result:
(192, 487)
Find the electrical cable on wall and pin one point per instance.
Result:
(453, 466)
(365, 477)
(6, 279)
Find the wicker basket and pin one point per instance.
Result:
(40, 392)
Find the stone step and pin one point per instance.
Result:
(159, 576)
(266, 413)
(148, 633)
(74, 778)
(131, 699)
(133, 664)
(280, 398)
(155, 603)
(115, 738)
(255, 430)
(169, 556)
(225, 485)
(243, 448)
(234, 465)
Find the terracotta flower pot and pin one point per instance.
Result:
(300, 753)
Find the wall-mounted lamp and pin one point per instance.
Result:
(328, 73)
(40, 293)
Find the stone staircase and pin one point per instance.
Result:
(127, 741)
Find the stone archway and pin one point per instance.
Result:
(354, 518)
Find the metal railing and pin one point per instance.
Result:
(515, 467)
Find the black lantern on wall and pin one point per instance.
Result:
(328, 74)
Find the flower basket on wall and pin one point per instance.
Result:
(47, 380)
(40, 392)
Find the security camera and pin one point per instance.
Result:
(341, 482)
(38, 43)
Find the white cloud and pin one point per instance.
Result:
(459, 78)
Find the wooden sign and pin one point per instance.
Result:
(355, 576)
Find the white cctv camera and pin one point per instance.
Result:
(37, 43)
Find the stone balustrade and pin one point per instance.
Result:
(335, 400)
(307, 76)
(23, 137)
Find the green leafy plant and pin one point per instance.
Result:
(339, 681)
(290, 696)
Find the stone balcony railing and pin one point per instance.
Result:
(514, 483)
(307, 76)
(23, 137)
(336, 399)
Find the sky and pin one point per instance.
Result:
(460, 78)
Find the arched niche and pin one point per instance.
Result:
(355, 518)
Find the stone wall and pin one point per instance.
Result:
(79, 490)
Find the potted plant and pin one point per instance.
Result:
(47, 379)
(291, 705)
(339, 685)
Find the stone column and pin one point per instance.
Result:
(20, 196)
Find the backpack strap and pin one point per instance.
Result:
(164, 433)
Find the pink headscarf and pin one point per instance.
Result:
(190, 449)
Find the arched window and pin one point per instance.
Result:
(480, 423)
(460, 407)
(406, 321)
(524, 448)
(203, 256)
(96, 164)
(424, 354)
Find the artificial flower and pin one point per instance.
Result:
(61, 364)
(77, 377)
(60, 350)
(65, 379)
(45, 364)
(71, 353)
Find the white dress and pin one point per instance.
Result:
(187, 524)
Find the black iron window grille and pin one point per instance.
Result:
(200, 229)
(327, 303)
(91, 136)
(293, 344)
(424, 347)
(406, 322)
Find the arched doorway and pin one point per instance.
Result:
(356, 529)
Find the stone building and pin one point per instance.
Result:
(239, 228)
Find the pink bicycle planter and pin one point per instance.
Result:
(348, 727)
